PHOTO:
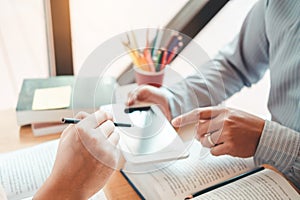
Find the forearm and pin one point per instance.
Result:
(58, 190)
(279, 146)
(214, 83)
(241, 63)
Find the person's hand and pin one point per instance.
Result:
(224, 130)
(150, 94)
(85, 160)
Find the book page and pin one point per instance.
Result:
(24, 171)
(190, 175)
(265, 184)
(98, 196)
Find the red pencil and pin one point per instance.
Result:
(172, 55)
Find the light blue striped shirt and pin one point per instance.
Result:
(269, 39)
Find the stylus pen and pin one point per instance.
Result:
(75, 121)
(224, 183)
(132, 109)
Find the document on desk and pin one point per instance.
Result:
(23, 172)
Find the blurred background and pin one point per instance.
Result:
(25, 51)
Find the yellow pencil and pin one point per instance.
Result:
(133, 54)
(143, 63)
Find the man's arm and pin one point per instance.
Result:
(240, 64)
(279, 146)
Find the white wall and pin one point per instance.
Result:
(94, 21)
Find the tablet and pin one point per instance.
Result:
(150, 137)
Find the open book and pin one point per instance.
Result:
(24, 171)
(203, 171)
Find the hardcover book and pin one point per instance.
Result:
(210, 177)
(87, 94)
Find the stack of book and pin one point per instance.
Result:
(43, 102)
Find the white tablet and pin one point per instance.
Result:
(150, 137)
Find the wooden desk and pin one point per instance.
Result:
(13, 137)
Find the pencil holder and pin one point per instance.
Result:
(149, 78)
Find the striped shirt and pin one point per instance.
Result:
(269, 39)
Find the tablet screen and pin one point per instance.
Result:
(142, 119)
(151, 132)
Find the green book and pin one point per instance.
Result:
(86, 94)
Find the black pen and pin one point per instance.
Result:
(75, 121)
(140, 108)
(223, 183)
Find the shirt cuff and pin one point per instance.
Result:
(278, 146)
(173, 106)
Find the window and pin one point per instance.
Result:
(94, 21)
(23, 48)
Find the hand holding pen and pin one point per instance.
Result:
(87, 153)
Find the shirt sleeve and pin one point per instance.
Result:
(279, 147)
(240, 64)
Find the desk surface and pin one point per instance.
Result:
(13, 137)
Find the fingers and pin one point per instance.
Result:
(187, 118)
(131, 98)
(196, 115)
(211, 112)
(210, 126)
(114, 138)
(106, 128)
(81, 115)
(108, 113)
(209, 131)
(145, 93)
(219, 150)
(211, 139)
(94, 120)
(228, 131)
(139, 94)
(103, 133)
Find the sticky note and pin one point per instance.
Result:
(51, 98)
